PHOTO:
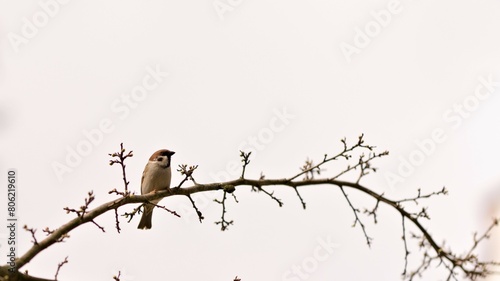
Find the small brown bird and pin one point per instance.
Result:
(156, 177)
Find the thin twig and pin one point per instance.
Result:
(224, 224)
(187, 172)
(100, 227)
(407, 253)
(117, 277)
(357, 220)
(270, 194)
(117, 221)
(245, 158)
(200, 215)
(32, 231)
(121, 160)
(65, 261)
(300, 197)
(419, 196)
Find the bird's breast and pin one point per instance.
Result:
(156, 178)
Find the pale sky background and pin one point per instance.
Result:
(229, 72)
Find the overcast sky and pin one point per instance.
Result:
(284, 79)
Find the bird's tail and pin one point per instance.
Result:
(147, 217)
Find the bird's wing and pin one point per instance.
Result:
(142, 181)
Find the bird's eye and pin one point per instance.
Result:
(159, 159)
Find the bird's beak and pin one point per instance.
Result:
(171, 153)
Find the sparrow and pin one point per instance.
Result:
(156, 177)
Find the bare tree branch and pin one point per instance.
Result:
(65, 261)
(187, 172)
(200, 215)
(407, 253)
(357, 220)
(32, 231)
(245, 158)
(117, 221)
(121, 160)
(468, 264)
(224, 224)
(258, 187)
(419, 196)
